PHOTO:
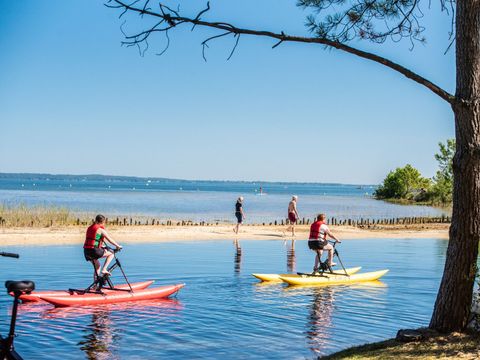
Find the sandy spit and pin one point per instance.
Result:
(141, 234)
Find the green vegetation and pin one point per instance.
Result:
(441, 191)
(23, 215)
(403, 183)
(435, 346)
(407, 183)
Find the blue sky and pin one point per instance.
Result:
(72, 100)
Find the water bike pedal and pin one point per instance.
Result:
(325, 267)
(101, 282)
(83, 292)
(313, 274)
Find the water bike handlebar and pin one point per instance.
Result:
(12, 255)
(111, 249)
(333, 242)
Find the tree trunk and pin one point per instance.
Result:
(452, 307)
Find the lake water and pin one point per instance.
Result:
(223, 312)
(202, 200)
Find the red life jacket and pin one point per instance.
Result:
(91, 240)
(315, 231)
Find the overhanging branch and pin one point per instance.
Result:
(173, 19)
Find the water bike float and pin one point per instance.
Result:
(114, 296)
(36, 296)
(277, 277)
(103, 291)
(332, 279)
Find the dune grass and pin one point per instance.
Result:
(22, 215)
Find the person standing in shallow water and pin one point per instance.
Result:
(292, 214)
(239, 214)
(93, 247)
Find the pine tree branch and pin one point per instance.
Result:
(173, 19)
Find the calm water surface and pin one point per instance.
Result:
(223, 312)
(204, 200)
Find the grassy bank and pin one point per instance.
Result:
(20, 215)
(34, 216)
(434, 346)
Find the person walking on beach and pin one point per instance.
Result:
(239, 214)
(93, 247)
(317, 241)
(292, 214)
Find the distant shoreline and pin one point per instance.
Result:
(95, 177)
(69, 235)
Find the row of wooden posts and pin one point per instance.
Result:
(304, 221)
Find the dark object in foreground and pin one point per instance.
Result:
(18, 288)
(12, 255)
(408, 335)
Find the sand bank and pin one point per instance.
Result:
(139, 234)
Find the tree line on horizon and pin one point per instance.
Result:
(406, 184)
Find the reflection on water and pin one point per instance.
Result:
(320, 319)
(217, 308)
(238, 256)
(98, 337)
(291, 257)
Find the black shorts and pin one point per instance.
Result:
(93, 254)
(316, 244)
(239, 216)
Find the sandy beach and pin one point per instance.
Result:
(138, 234)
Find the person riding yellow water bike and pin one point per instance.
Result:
(318, 241)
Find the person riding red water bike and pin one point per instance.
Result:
(94, 249)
